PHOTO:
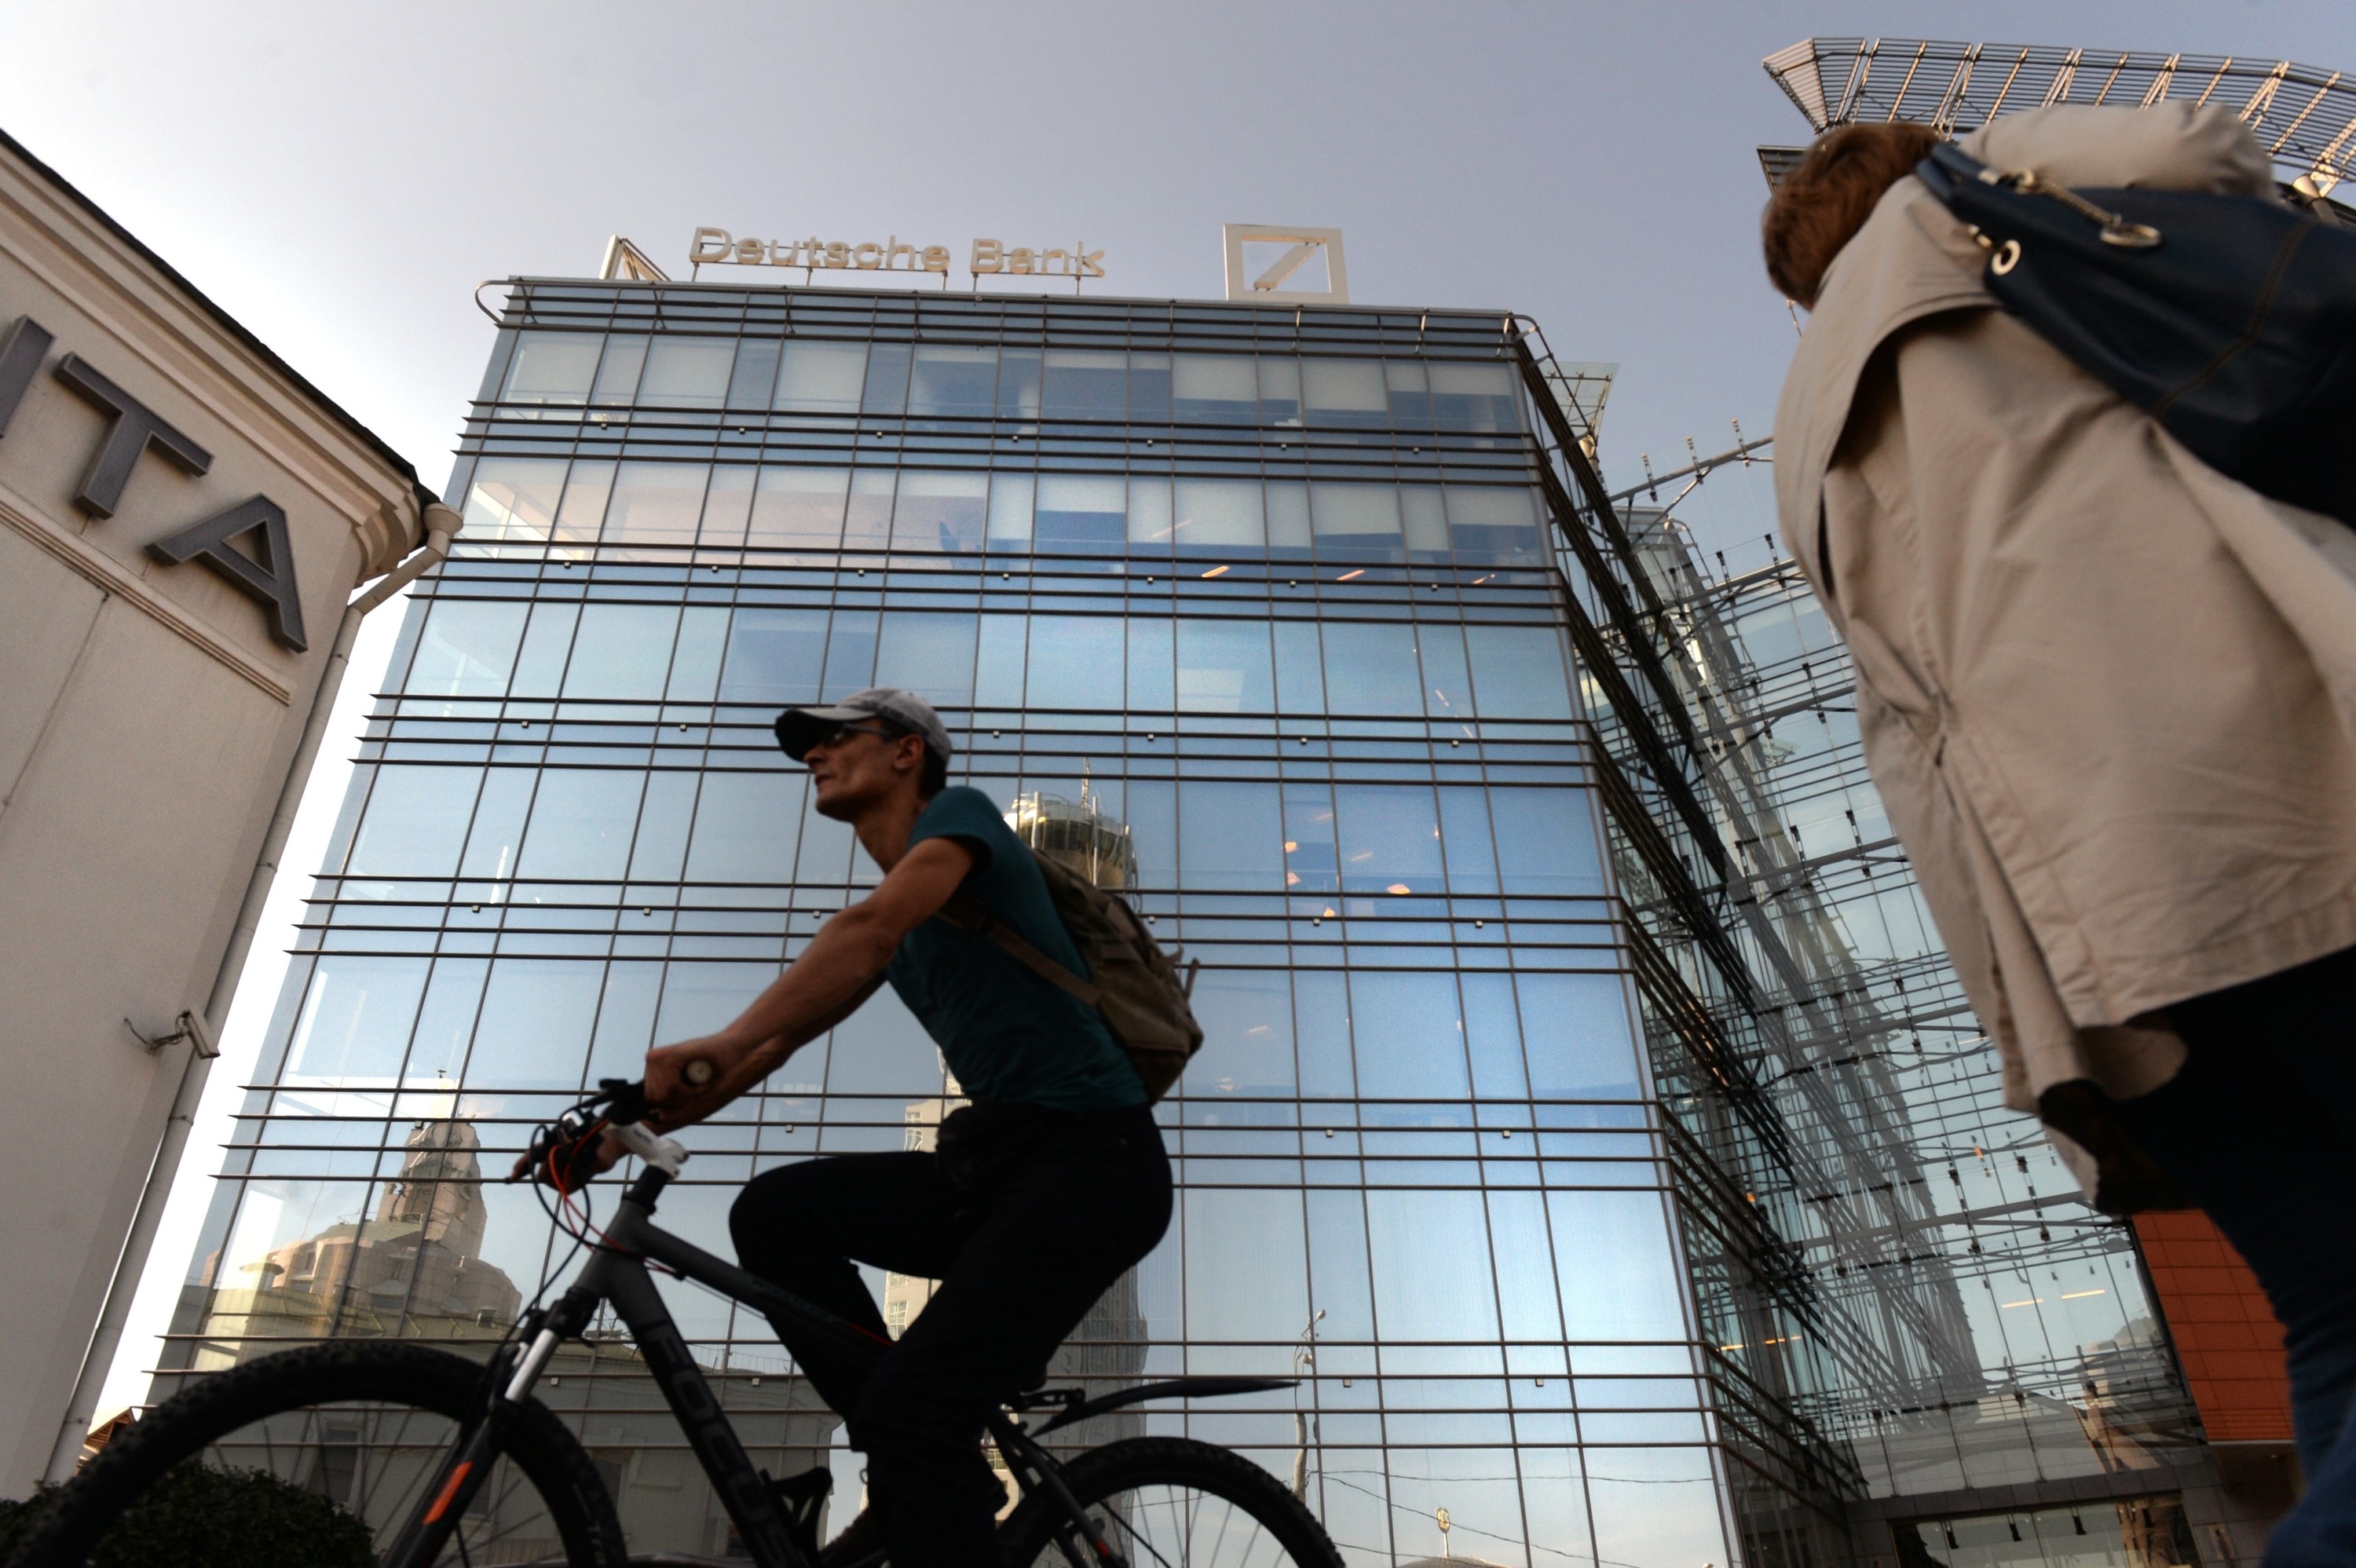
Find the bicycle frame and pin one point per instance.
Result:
(616, 1273)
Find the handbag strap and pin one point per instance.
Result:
(1944, 166)
(1948, 167)
(970, 913)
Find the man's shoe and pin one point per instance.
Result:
(860, 1544)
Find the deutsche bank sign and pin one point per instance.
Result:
(717, 247)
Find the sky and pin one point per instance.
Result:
(340, 178)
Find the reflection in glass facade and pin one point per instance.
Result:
(1924, 1347)
(2127, 1532)
(1253, 607)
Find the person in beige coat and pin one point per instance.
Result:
(2109, 697)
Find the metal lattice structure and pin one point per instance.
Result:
(2304, 116)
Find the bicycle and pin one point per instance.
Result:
(448, 1460)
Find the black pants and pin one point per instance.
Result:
(2259, 1128)
(1048, 1212)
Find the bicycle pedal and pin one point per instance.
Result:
(804, 1498)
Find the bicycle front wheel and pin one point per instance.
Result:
(1172, 1502)
(321, 1456)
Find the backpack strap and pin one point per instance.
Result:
(970, 913)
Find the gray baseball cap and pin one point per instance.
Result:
(799, 728)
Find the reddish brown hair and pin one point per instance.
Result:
(1823, 202)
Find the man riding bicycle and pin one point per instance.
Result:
(1041, 1192)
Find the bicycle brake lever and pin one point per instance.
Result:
(556, 1151)
(534, 1166)
(623, 1100)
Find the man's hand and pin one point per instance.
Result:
(579, 1165)
(687, 1081)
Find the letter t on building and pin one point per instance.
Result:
(134, 428)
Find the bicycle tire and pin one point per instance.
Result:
(208, 1418)
(1137, 1469)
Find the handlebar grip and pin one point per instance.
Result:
(697, 1072)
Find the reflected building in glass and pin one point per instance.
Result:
(1255, 611)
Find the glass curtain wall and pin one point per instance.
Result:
(2054, 1365)
(1265, 588)
(1908, 1306)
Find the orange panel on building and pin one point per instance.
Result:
(2225, 1332)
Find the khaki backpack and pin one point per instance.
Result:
(1141, 991)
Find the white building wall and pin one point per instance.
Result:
(148, 719)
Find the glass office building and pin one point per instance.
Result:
(1264, 607)
(1924, 1345)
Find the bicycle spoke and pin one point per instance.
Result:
(1167, 1526)
(1221, 1540)
(1112, 1525)
(372, 1477)
(375, 1461)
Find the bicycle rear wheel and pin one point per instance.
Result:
(355, 1430)
(1172, 1502)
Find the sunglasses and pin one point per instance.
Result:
(839, 730)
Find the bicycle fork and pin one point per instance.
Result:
(466, 1467)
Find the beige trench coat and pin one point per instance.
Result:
(2107, 693)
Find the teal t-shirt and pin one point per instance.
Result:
(1007, 1033)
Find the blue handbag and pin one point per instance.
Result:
(2231, 319)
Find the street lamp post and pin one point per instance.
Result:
(1304, 1362)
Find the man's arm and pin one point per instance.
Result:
(837, 971)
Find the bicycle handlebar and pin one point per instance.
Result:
(618, 1107)
(623, 1101)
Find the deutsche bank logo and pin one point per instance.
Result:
(1277, 265)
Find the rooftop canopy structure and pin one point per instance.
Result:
(2303, 115)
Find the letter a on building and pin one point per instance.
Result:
(268, 580)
